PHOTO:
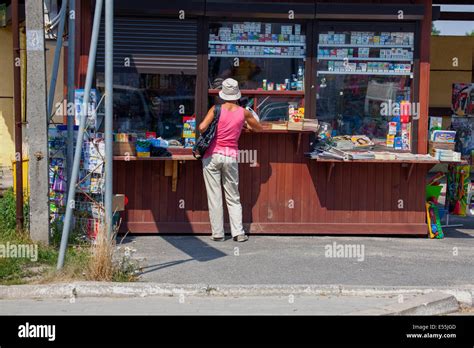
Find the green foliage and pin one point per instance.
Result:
(9, 271)
(126, 269)
(470, 33)
(78, 255)
(75, 236)
(434, 30)
(8, 212)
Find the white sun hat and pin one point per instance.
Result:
(230, 90)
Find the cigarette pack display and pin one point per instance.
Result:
(268, 28)
(390, 140)
(297, 29)
(392, 128)
(397, 144)
(406, 128)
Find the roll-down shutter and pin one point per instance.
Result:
(152, 45)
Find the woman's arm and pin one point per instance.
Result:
(207, 120)
(252, 123)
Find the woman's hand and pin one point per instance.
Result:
(251, 122)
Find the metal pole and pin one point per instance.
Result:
(18, 118)
(71, 85)
(109, 95)
(57, 56)
(80, 135)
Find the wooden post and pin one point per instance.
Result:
(424, 83)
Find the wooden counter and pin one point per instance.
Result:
(282, 193)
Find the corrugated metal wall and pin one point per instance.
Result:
(152, 45)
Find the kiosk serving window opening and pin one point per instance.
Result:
(267, 58)
(365, 83)
(155, 67)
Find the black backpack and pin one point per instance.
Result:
(204, 140)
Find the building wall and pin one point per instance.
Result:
(59, 93)
(443, 73)
(7, 145)
(7, 117)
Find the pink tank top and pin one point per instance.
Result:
(226, 140)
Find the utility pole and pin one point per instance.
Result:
(18, 118)
(37, 128)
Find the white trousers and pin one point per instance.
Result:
(223, 170)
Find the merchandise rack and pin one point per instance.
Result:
(368, 59)
(254, 56)
(250, 92)
(258, 43)
(322, 72)
(365, 45)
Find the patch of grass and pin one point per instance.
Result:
(84, 260)
(126, 270)
(23, 270)
(109, 263)
(8, 211)
(75, 236)
(9, 271)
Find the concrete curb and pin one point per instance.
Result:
(435, 303)
(463, 294)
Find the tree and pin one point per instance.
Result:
(470, 33)
(434, 30)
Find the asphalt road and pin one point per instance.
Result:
(397, 261)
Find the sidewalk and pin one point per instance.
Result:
(430, 304)
(273, 275)
(397, 261)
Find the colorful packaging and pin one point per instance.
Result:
(189, 127)
(405, 110)
(458, 179)
(390, 140)
(398, 143)
(392, 128)
(406, 127)
(444, 136)
(189, 142)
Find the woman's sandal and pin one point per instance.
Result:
(241, 238)
(217, 239)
